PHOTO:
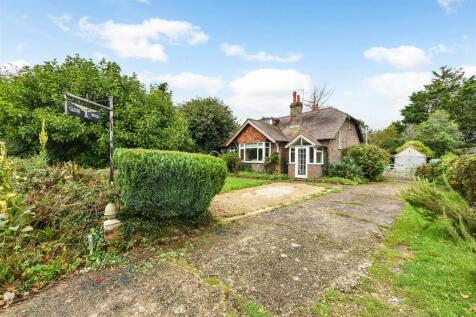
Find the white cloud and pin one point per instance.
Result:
(12, 67)
(185, 83)
(61, 21)
(266, 92)
(144, 40)
(201, 85)
(448, 5)
(240, 51)
(438, 49)
(469, 70)
(397, 86)
(404, 56)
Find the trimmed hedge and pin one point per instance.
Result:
(167, 184)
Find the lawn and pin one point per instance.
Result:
(232, 183)
(420, 271)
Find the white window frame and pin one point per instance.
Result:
(259, 145)
(315, 156)
(292, 158)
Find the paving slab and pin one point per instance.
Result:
(243, 201)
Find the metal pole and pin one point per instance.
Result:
(65, 103)
(111, 144)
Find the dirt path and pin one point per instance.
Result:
(282, 260)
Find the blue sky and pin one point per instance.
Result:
(253, 54)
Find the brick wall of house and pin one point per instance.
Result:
(250, 135)
(349, 137)
(291, 170)
(314, 171)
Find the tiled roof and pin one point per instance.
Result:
(322, 124)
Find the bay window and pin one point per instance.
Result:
(255, 152)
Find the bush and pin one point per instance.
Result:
(416, 145)
(438, 201)
(167, 184)
(346, 168)
(461, 174)
(246, 167)
(232, 161)
(271, 163)
(370, 158)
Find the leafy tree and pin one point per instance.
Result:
(389, 138)
(210, 122)
(143, 118)
(449, 90)
(417, 145)
(439, 132)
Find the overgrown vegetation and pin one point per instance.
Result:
(458, 171)
(165, 184)
(46, 214)
(434, 202)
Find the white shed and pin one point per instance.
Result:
(407, 161)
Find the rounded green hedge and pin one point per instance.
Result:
(167, 184)
(370, 158)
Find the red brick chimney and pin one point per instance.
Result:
(296, 106)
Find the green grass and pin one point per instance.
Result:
(232, 183)
(262, 175)
(438, 279)
(250, 308)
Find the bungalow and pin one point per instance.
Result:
(306, 142)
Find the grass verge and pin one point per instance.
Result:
(233, 183)
(419, 271)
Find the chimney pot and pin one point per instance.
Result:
(298, 98)
(294, 96)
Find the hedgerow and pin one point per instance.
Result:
(167, 184)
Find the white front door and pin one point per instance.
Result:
(301, 162)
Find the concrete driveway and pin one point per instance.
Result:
(281, 260)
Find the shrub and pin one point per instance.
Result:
(461, 174)
(167, 184)
(271, 163)
(416, 145)
(438, 201)
(232, 161)
(370, 158)
(346, 168)
(246, 167)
